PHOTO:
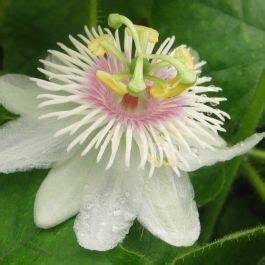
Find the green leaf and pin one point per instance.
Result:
(6, 116)
(240, 212)
(139, 11)
(144, 243)
(29, 28)
(207, 183)
(23, 243)
(229, 35)
(244, 248)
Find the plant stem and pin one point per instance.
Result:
(248, 126)
(257, 153)
(92, 20)
(254, 179)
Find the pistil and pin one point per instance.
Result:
(137, 85)
(140, 68)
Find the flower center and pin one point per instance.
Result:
(143, 66)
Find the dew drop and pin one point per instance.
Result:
(117, 212)
(89, 206)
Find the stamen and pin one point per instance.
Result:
(115, 85)
(184, 55)
(103, 44)
(172, 88)
(187, 75)
(95, 46)
(146, 35)
(153, 34)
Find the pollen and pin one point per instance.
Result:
(152, 33)
(96, 47)
(172, 89)
(116, 86)
(185, 56)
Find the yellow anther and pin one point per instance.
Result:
(116, 86)
(96, 47)
(174, 86)
(185, 56)
(172, 89)
(153, 34)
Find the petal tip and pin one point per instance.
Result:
(96, 244)
(42, 220)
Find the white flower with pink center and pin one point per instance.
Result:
(120, 122)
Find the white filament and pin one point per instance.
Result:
(169, 142)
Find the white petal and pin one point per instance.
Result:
(208, 157)
(18, 93)
(109, 206)
(168, 209)
(59, 195)
(29, 143)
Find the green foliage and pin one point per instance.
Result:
(30, 28)
(207, 183)
(237, 248)
(229, 34)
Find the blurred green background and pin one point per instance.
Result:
(230, 36)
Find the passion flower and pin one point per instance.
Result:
(120, 123)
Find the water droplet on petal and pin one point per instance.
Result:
(117, 212)
(89, 206)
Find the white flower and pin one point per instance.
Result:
(120, 126)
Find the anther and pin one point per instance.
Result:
(96, 47)
(184, 55)
(152, 33)
(171, 89)
(116, 86)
